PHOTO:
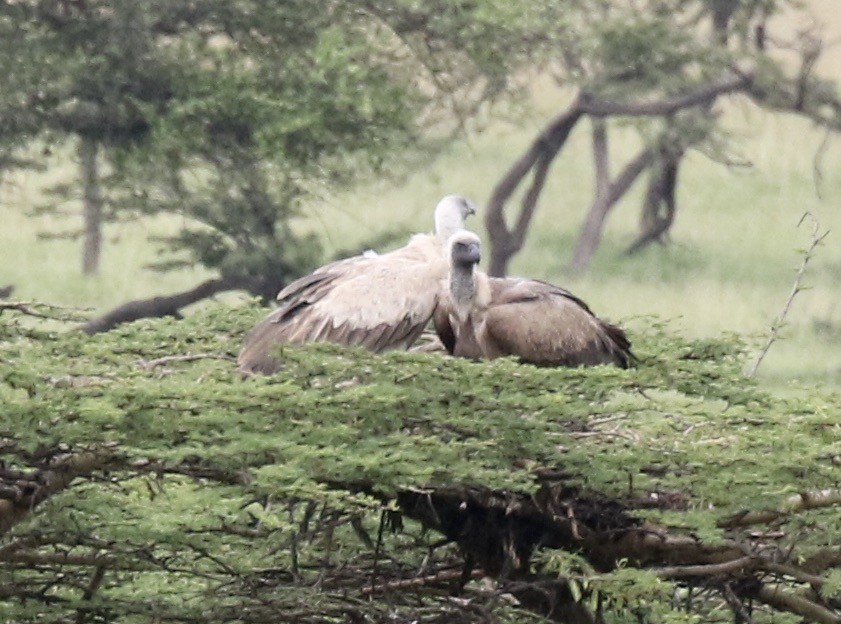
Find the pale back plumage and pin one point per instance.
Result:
(533, 320)
(379, 302)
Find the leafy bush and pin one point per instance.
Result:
(143, 479)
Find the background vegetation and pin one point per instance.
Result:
(735, 245)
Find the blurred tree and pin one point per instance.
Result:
(233, 114)
(659, 67)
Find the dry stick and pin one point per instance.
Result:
(419, 581)
(796, 288)
(713, 569)
(63, 313)
(817, 163)
(810, 499)
(187, 357)
(810, 611)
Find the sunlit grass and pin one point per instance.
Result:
(730, 266)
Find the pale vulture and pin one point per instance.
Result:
(485, 317)
(379, 302)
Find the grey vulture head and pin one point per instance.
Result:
(485, 317)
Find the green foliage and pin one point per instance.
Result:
(231, 493)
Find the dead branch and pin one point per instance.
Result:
(47, 482)
(418, 582)
(715, 569)
(187, 357)
(774, 596)
(160, 306)
(814, 499)
(42, 310)
(817, 238)
(592, 105)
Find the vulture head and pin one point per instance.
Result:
(450, 214)
(464, 254)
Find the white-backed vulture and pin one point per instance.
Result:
(485, 317)
(379, 302)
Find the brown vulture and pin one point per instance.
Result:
(485, 317)
(379, 302)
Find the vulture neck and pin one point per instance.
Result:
(463, 289)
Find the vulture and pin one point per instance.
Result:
(379, 302)
(485, 317)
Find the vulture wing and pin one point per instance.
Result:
(547, 325)
(379, 302)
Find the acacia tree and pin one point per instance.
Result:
(662, 66)
(143, 479)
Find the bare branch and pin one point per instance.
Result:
(159, 306)
(187, 357)
(813, 499)
(592, 105)
(774, 596)
(817, 238)
(714, 569)
(50, 481)
(50, 311)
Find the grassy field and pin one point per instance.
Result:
(730, 266)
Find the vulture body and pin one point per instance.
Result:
(379, 302)
(485, 317)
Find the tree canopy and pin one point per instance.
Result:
(233, 114)
(143, 479)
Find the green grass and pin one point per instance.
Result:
(734, 252)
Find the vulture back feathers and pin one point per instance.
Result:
(379, 302)
(485, 317)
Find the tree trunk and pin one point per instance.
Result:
(92, 202)
(506, 242)
(591, 231)
(659, 206)
(601, 158)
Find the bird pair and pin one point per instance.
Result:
(384, 302)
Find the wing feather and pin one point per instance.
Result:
(379, 302)
(544, 324)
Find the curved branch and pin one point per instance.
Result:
(814, 499)
(504, 242)
(773, 596)
(160, 306)
(590, 234)
(593, 105)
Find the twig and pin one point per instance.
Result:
(796, 288)
(29, 308)
(713, 569)
(817, 163)
(419, 581)
(736, 605)
(811, 499)
(187, 357)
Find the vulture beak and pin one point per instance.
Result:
(473, 253)
(470, 253)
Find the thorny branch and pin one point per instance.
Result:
(817, 237)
